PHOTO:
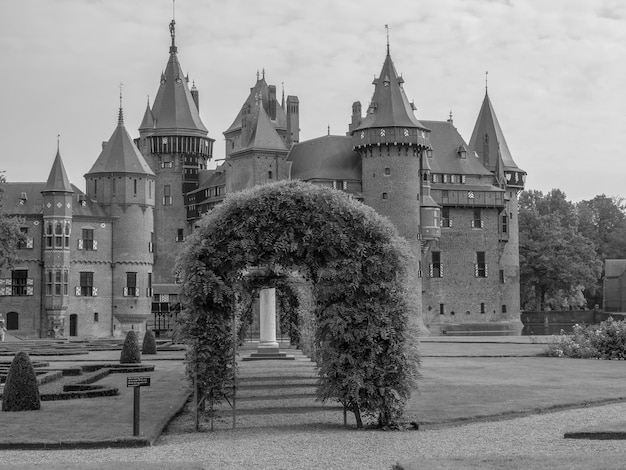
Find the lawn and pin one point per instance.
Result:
(463, 388)
(107, 419)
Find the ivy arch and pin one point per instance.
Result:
(357, 265)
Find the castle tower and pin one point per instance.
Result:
(489, 144)
(258, 140)
(124, 186)
(57, 221)
(391, 143)
(174, 142)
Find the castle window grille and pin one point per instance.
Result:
(446, 221)
(167, 196)
(480, 267)
(49, 236)
(87, 242)
(131, 285)
(477, 222)
(19, 280)
(505, 224)
(86, 288)
(49, 282)
(58, 235)
(436, 267)
(66, 234)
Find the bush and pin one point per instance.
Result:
(130, 351)
(21, 392)
(149, 343)
(604, 341)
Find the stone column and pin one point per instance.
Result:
(268, 343)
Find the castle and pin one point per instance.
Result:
(99, 263)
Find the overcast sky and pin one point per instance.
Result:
(557, 73)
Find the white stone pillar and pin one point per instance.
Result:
(268, 341)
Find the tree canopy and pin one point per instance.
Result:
(557, 262)
(10, 233)
(357, 265)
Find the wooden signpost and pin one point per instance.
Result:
(137, 382)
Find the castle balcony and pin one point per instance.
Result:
(181, 144)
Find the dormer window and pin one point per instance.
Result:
(23, 198)
(462, 152)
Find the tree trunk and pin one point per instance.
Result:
(357, 415)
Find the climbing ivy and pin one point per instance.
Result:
(357, 266)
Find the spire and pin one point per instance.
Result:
(486, 81)
(148, 120)
(173, 48)
(387, 28)
(57, 179)
(174, 110)
(121, 155)
(390, 106)
(488, 140)
(120, 119)
(282, 102)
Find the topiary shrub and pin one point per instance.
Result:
(21, 392)
(131, 353)
(149, 343)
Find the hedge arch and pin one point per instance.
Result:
(357, 264)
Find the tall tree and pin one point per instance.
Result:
(556, 260)
(603, 220)
(10, 233)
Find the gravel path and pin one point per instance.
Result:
(325, 447)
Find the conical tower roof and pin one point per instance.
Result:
(174, 110)
(264, 135)
(120, 154)
(259, 90)
(148, 120)
(58, 180)
(390, 107)
(487, 125)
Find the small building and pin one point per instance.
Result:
(614, 285)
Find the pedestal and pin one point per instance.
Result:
(268, 346)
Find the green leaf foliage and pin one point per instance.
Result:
(556, 260)
(131, 354)
(357, 265)
(10, 233)
(149, 343)
(21, 392)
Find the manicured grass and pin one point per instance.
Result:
(105, 419)
(458, 389)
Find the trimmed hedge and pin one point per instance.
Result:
(131, 353)
(149, 343)
(21, 392)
